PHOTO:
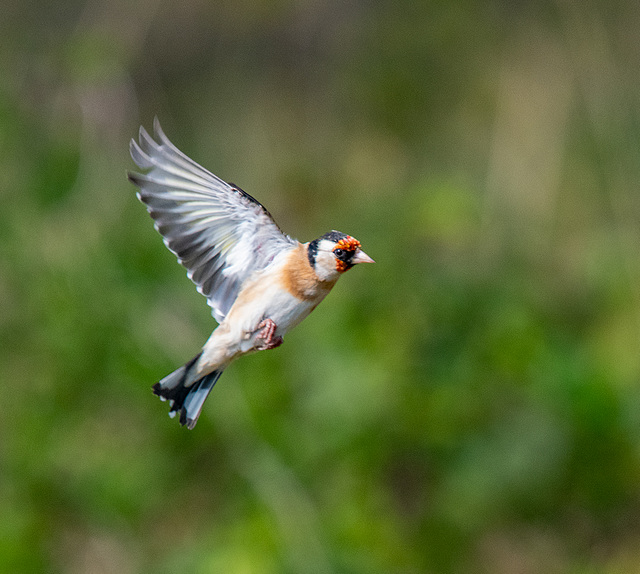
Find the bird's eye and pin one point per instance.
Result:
(338, 252)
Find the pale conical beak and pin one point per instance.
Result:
(361, 257)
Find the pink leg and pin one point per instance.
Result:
(267, 335)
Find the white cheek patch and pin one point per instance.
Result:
(326, 266)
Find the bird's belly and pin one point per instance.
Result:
(281, 307)
(239, 332)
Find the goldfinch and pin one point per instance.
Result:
(259, 282)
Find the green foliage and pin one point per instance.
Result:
(468, 404)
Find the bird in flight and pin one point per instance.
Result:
(258, 281)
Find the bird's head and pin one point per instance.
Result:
(334, 253)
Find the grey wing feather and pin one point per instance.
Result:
(220, 233)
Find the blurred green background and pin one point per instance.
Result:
(471, 403)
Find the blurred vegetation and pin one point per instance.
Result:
(468, 404)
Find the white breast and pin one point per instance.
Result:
(287, 311)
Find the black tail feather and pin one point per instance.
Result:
(186, 395)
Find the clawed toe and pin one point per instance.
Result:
(270, 341)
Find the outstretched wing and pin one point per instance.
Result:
(218, 232)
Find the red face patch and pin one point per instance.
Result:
(349, 244)
(342, 266)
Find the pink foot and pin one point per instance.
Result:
(267, 335)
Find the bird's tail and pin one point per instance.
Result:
(186, 394)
